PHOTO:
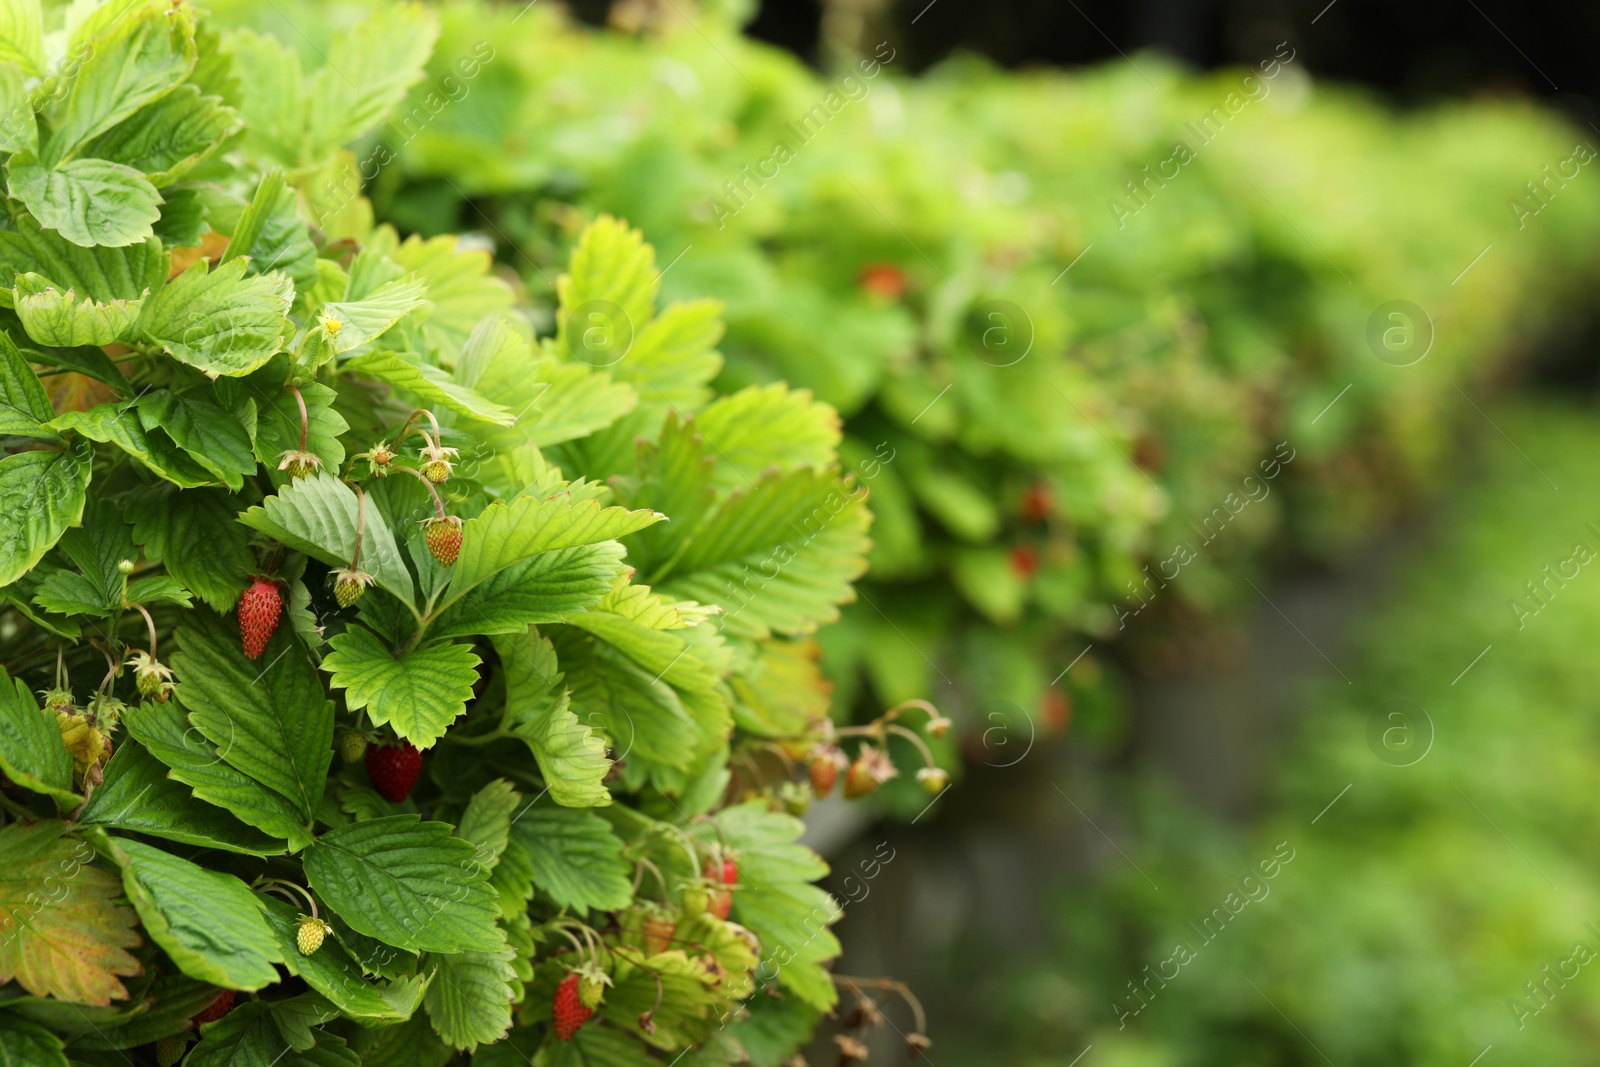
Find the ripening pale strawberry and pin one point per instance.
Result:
(153, 679)
(720, 901)
(443, 534)
(823, 767)
(260, 607)
(884, 280)
(394, 769)
(568, 1010)
(659, 929)
(309, 935)
(219, 1007)
(870, 769)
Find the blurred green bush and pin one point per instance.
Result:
(1441, 897)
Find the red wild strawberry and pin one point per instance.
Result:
(443, 534)
(568, 1009)
(216, 1009)
(394, 769)
(1024, 562)
(1037, 502)
(1055, 710)
(260, 607)
(883, 280)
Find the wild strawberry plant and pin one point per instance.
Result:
(384, 682)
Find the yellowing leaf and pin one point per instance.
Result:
(62, 931)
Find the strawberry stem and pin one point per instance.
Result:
(305, 416)
(911, 735)
(437, 502)
(149, 623)
(361, 525)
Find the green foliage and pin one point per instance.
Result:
(238, 417)
(1050, 382)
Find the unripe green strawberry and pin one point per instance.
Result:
(592, 990)
(933, 779)
(658, 930)
(349, 585)
(59, 701)
(436, 463)
(298, 464)
(443, 535)
(695, 898)
(153, 679)
(310, 934)
(352, 745)
(169, 1050)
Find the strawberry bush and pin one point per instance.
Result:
(1094, 384)
(391, 676)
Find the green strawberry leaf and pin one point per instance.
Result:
(212, 437)
(117, 424)
(419, 693)
(220, 321)
(67, 936)
(503, 534)
(128, 273)
(41, 495)
(24, 405)
(22, 37)
(32, 753)
(462, 290)
(487, 820)
(57, 317)
(332, 972)
(178, 998)
(408, 883)
(593, 1046)
(165, 731)
(269, 1034)
(341, 326)
(550, 587)
(318, 515)
(776, 899)
(194, 534)
(378, 60)
(571, 756)
(788, 548)
(611, 286)
(170, 137)
(137, 795)
(469, 999)
(144, 57)
(577, 859)
(427, 383)
(87, 201)
(25, 1044)
(269, 719)
(208, 922)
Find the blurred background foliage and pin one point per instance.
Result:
(1076, 323)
